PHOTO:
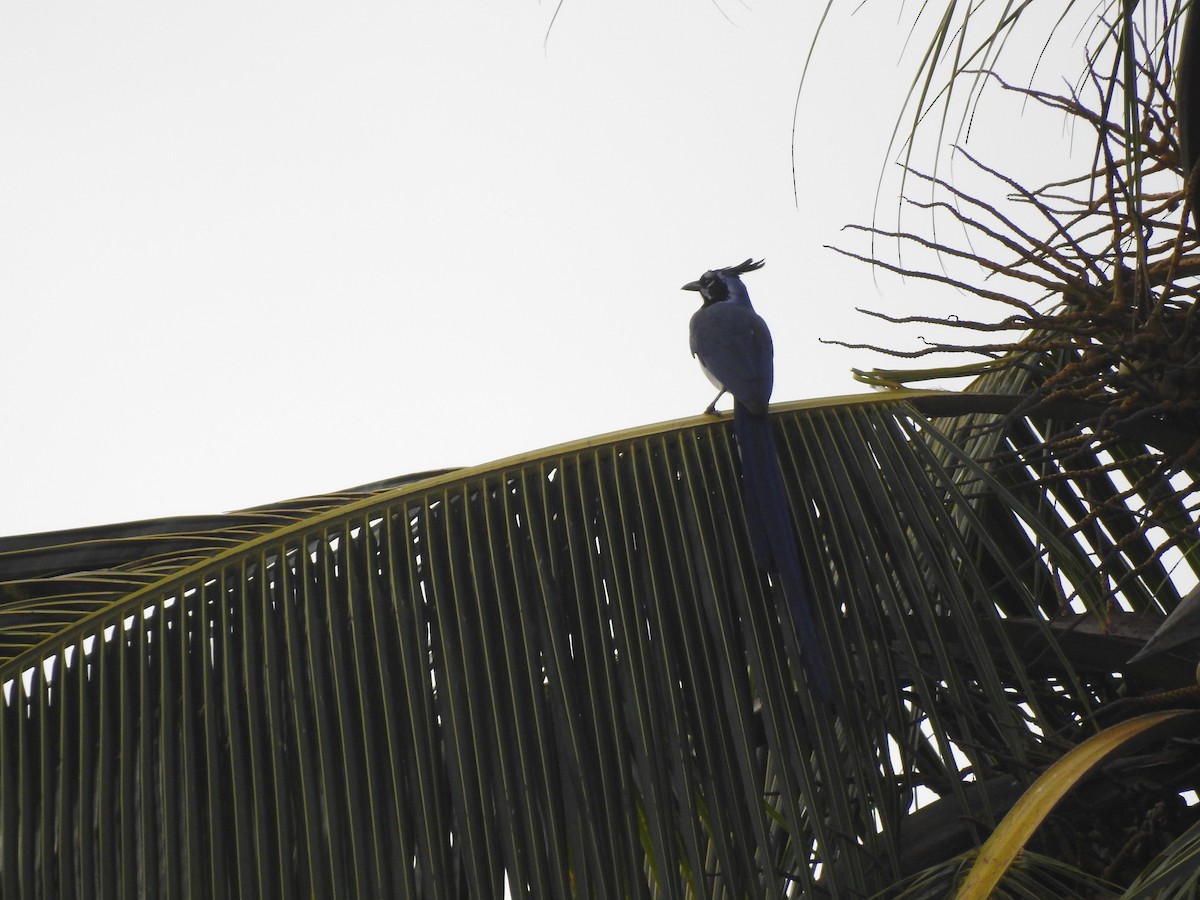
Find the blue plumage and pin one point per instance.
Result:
(733, 345)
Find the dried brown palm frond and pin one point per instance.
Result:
(1098, 274)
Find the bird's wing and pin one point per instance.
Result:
(734, 346)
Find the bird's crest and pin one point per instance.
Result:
(742, 268)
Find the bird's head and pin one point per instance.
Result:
(718, 285)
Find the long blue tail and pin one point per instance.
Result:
(771, 536)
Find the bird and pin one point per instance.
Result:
(734, 348)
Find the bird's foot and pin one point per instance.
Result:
(711, 410)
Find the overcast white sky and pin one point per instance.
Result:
(251, 251)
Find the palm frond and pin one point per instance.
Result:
(564, 671)
(961, 44)
(1174, 875)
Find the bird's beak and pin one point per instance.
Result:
(691, 286)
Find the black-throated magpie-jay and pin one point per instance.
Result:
(733, 345)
